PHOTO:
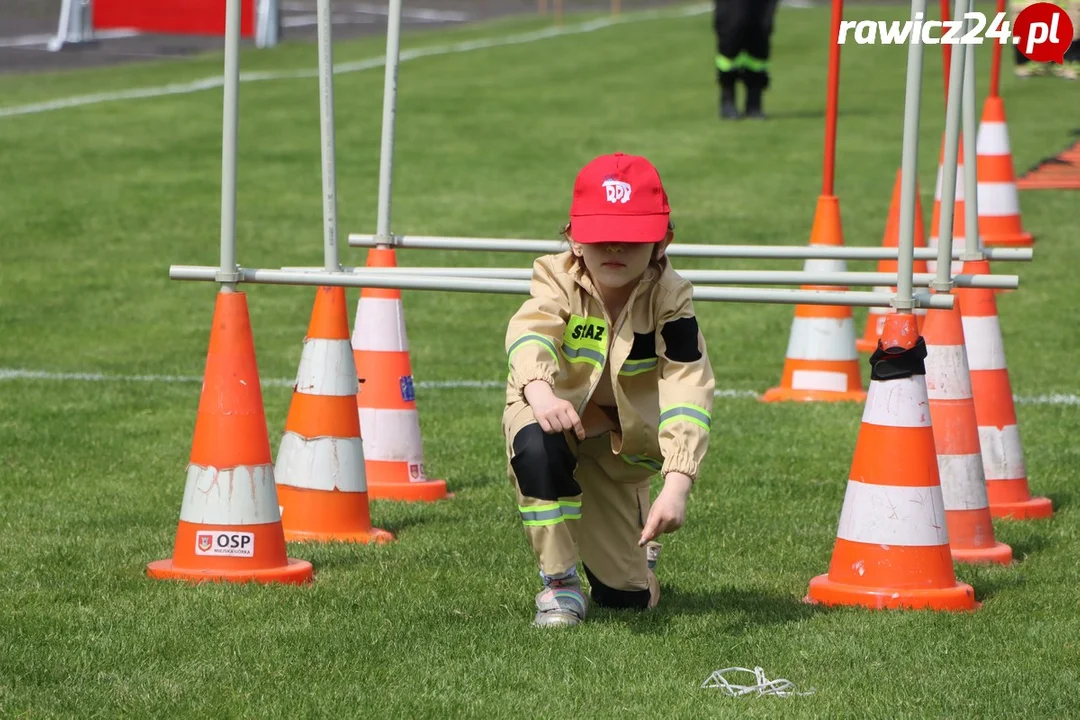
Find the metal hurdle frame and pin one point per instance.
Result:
(229, 274)
(384, 238)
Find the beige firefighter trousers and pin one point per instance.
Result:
(579, 500)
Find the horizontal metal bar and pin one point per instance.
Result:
(404, 281)
(772, 252)
(714, 277)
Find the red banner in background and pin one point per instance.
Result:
(171, 17)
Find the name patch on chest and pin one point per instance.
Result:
(588, 332)
(586, 340)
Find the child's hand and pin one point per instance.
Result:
(553, 414)
(668, 513)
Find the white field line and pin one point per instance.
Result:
(21, 374)
(43, 40)
(209, 83)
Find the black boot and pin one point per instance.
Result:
(727, 80)
(728, 109)
(756, 81)
(753, 103)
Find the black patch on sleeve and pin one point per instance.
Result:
(644, 346)
(681, 338)
(544, 464)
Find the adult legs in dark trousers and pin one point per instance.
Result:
(743, 33)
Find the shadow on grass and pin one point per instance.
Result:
(1030, 545)
(811, 114)
(988, 585)
(736, 607)
(1061, 500)
(990, 579)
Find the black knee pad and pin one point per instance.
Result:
(605, 596)
(544, 464)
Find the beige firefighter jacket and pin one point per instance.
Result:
(659, 364)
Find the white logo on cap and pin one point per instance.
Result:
(617, 191)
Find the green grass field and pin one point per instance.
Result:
(97, 201)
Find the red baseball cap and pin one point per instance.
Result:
(619, 198)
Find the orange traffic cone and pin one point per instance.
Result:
(321, 481)
(1057, 173)
(999, 199)
(892, 546)
(821, 362)
(389, 423)
(230, 525)
(959, 233)
(956, 439)
(875, 317)
(999, 434)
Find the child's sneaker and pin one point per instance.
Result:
(561, 603)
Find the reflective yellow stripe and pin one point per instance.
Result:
(637, 367)
(532, 339)
(691, 413)
(550, 514)
(748, 61)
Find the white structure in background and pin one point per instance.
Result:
(77, 25)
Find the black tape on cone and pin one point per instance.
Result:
(896, 363)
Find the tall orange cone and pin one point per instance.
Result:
(321, 481)
(959, 233)
(956, 439)
(999, 199)
(875, 317)
(230, 525)
(389, 422)
(821, 362)
(999, 433)
(892, 545)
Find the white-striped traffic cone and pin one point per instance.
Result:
(230, 523)
(959, 222)
(892, 543)
(956, 439)
(821, 362)
(999, 199)
(995, 412)
(389, 422)
(321, 480)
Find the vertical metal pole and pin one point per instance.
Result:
(946, 48)
(828, 174)
(995, 66)
(326, 118)
(972, 245)
(386, 153)
(904, 301)
(228, 276)
(957, 73)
